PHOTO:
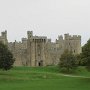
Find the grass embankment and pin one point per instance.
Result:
(42, 78)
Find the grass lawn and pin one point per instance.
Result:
(42, 78)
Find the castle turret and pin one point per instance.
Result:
(73, 43)
(3, 37)
(29, 34)
(60, 37)
(4, 34)
(66, 36)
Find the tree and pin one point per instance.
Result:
(6, 57)
(86, 54)
(80, 60)
(68, 62)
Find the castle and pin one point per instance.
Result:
(39, 50)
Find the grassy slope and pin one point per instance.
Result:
(47, 78)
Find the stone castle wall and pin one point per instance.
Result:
(40, 51)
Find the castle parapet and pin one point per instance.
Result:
(74, 37)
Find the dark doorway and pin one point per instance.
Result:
(40, 63)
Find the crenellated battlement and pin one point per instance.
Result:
(39, 37)
(73, 37)
(24, 40)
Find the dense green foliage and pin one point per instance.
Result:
(86, 54)
(80, 60)
(68, 61)
(6, 57)
(42, 78)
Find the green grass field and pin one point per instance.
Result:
(42, 78)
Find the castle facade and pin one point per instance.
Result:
(39, 50)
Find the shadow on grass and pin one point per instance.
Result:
(5, 73)
(85, 80)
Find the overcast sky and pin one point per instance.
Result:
(45, 17)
